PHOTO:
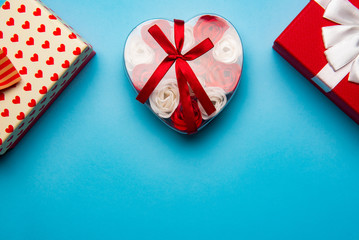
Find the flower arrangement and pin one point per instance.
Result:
(218, 70)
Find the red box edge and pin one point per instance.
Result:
(308, 75)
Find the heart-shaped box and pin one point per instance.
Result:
(218, 69)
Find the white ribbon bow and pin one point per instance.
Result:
(342, 41)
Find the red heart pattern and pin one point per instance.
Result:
(6, 6)
(16, 100)
(32, 103)
(43, 90)
(37, 12)
(61, 48)
(5, 113)
(46, 45)
(57, 32)
(15, 38)
(30, 42)
(218, 70)
(9, 129)
(27, 87)
(11, 22)
(22, 9)
(66, 64)
(77, 51)
(21, 116)
(55, 77)
(26, 25)
(19, 54)
(46, 68)
(72, 36)
(23, 71)
(42, 28)
(34, 58)
(50, 61)
(39, 74)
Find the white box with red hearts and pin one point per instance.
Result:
(47, 53)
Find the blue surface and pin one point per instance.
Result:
(281, 162)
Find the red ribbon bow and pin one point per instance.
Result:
(184, 72)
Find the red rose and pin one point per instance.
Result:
(160, 55)
(140, 75)
(211, 27)
(225, 76)
(202, 65)
(177, 116)
(164, 25)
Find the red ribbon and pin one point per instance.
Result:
(184, 73)
(9, 76)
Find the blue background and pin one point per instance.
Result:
(281, 162)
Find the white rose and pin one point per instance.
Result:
(218, 98)
(189, 40)
(137, 52)
(229, 48)
(165, 98)
(201, 81)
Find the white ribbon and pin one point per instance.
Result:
(342, 41)
(323, 3)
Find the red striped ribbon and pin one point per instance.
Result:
(8, 73)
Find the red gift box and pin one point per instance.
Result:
(302, 45)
